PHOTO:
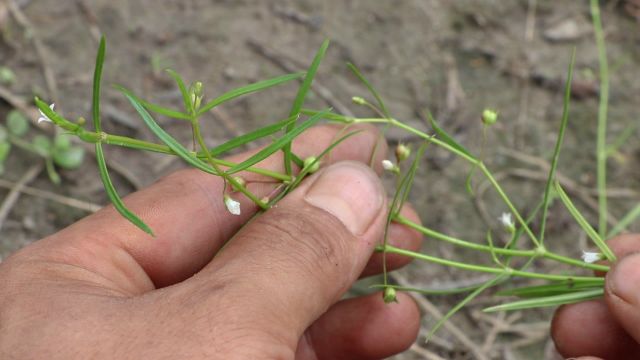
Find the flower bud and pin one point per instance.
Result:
(196, 94)
(389, 166)
(389, 295)
(241, 181)
(312, 164)
(489, 117)
(402, 152)
(358, 100)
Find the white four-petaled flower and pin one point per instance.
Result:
(388, 165)
(44, 117)
(506, 219)
(232, 206)
(590, 257)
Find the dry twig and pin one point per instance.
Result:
(15, 192)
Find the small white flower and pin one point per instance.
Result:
(388, 165)
(506, 219)
(232, 206)
(591, 257)
(44, 117)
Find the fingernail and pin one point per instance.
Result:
(349, 191)
(624, 279)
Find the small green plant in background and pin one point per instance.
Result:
(508, 262)
(55, 152)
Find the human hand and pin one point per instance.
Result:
(609, 328)
(102, 289)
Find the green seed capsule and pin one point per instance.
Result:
(402, 152)
(358, 100)
(312, 164)
(389, 295)
(489, 117)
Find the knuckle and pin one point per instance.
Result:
(308, 240)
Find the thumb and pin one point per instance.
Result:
(622, 293)
(301, 256)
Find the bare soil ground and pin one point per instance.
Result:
(454, 58)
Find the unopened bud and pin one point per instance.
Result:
(196, 93)
(388, 165)
(81, 121)
(312, 164)
(240, 181)
(389, 295)
(402, 152)
(358, 100)
(489, 117)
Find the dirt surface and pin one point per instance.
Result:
(453, 58)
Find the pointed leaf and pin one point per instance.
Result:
(555, 300)
(584, 224)
(549, 289)
(258, 86)
(251, 136)
(447, 138)
(113, 195)
(462, 303)
(97, 78)
(188, 106)
(556, 153)
(277, 144)
(369, 87)
(175, 114)
(300, 97)
(172, 143)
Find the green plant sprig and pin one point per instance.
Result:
(132, 143)
(556, 289)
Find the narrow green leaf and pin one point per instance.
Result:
(549, 289)
(405, 188)
(556, 153)
(300, 97)
(251, 88)
(175, 114)
(446, 137)
(97, 78)
(113, 195)
(369, 87)
(102, 165)
(625, 221)
(429, 291)
(172, 143)
(251, 136)
(462, 303)
(277, 144)
(555, 300)
(584, 224)
(186, 99)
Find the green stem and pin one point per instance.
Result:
(234, 183)
(601, 139)
(487, 269)
(469, 159)
(510, 252)
(124, 141)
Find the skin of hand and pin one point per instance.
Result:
(608, 328)
(102, 289)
